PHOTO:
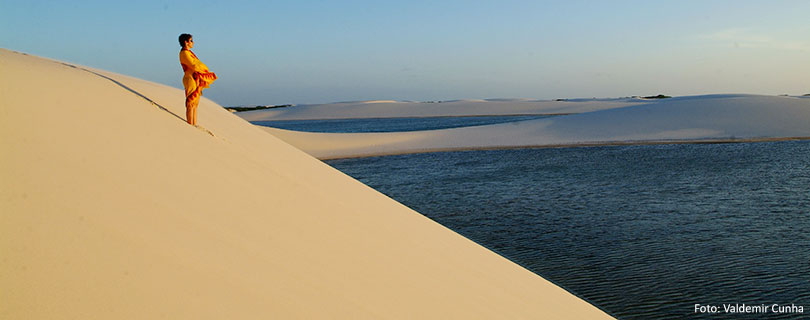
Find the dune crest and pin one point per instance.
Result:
(114, 208)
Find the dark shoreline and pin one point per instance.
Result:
(570, 145)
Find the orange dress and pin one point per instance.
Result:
(196, 76)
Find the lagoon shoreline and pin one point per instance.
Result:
(573, 145)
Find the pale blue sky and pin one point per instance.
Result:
(278, 52)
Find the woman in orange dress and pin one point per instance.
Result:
(196, 77)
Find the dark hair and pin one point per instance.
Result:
(183, 38)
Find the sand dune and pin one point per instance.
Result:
(709, 118)
(113, 207)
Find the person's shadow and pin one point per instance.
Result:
(130, 90)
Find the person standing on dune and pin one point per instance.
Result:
(196, 77)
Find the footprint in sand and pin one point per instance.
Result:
(204, 130)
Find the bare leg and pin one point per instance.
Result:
(189, 112)
(194, 112)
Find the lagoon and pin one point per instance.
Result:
(643, 232)
(393, 124)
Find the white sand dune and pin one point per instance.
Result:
(392, 109)
(112, 207)
(710, 118)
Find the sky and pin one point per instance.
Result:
(307, 51)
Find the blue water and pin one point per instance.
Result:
(392, 124)
(643, 232)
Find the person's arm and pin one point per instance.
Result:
(194, 64)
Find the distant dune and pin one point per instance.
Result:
(113, 207)
(707, 118)
(375, 109)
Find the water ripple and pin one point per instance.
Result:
(644, 232)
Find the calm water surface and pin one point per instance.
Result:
(643, 232)
(392, 124)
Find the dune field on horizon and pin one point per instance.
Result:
(583, 122)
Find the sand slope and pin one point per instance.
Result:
(709, 118)
(113, 207)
